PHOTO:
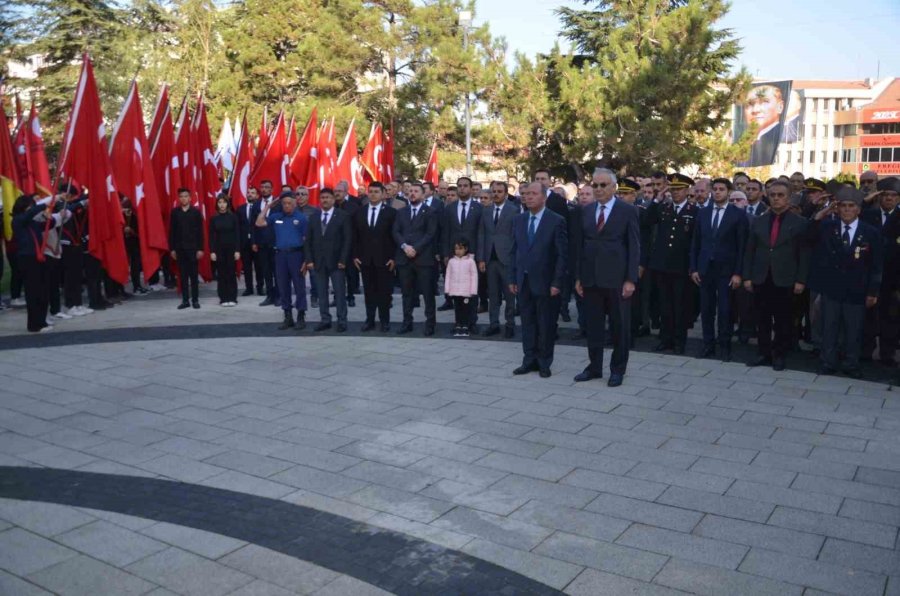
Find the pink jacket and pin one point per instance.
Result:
(461, 278)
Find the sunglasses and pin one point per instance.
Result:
(599, 184)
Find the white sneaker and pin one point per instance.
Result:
(17, 302)
(85, 310)
(49, 321)
(62, 315)
(158, 287)
(46, 329)
(74, 312)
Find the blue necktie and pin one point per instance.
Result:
(531, 230)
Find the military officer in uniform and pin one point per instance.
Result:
(848, 278)
(668, 261)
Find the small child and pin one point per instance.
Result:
(461, 284)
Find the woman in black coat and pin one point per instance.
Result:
(225, 250)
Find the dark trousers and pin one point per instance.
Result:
(72, 274)
(187, 275)
(93, 271)
(598, 304)
(416, 281)
(498, 291)
(841, 317)
(165, 269)
(883, 322)
(34, 278)
(134, 263)
(314, 290)
(715, 306)
(53, 269)
(539, 314)
(338, 279)
(565, 294)
(352, 281)
(746, 313)
(226, 275)
(675, 312)
(16, 276)
(266, 269)
(462, 309)
(248, 263)
(774, 307)
(378, 285)
(287, 274)
(645, 292)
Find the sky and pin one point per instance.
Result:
(807, 39)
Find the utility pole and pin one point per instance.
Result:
(465, 21)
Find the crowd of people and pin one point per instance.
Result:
(787, 260)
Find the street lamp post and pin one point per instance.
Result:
(465, 20)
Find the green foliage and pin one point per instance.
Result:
(847, 178)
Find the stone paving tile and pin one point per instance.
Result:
(619, 485)
(854, 530)
(22, 552)
(43, 518)
(861, 556)
(801, 499)
(554, 573)
(524, 466)
(259, 587)
(753, 473)
(683, 478)
(651, 514)
(769, 537)
(697, 578)
(189, 574)
(287, 572)
(205, 544)
(551, 492)
(447, 538)
(10, 584)
(110, 543)
(401, 503)
(326, 483)
(839, 579)
(83, 576)
(598, 583)
(376, 473)
(575, 521)
(621, 560)
(848, 488)
(687, 546)
(495, 528)
(736, 507)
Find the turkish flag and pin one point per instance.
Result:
(164, 155)
(39, 166)
(327, 156)
(272, 164)
(243, 163)
(431, 170)
(348, 169)
(305, 148)
(22, 158)
(263, 139)
(85, 160)
(291, 137)
(373, 153)
(208, 184)
(129, 156)
(388, 161)
(187, 168)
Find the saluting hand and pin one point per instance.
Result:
(627, 289)
(578, 288)
(735, 282)
(174, 255)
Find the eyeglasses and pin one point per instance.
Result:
(600, 184)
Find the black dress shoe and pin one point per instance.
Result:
(726, 355)
(888, 362)
(578, 335)
(322, 327)
(825, 370)
(260, 292)
(266, 302)
(679, 350)
(587, 375)
(743, 339)
(181, 306)
(195, 304)
(566, 317)
(247, 293)
(404, 329)
(446, 306)
(853, 373)
(428, 332)
(287, 323)
(342, 327)
(544, 373)
(314, 303)
(663, 346)
(351, 301)
(707, 352)
(614, 380)
(777, 364)
(524, 370)
(760, 361)
(491, 331)
(642, 331)
(367, 326)
(509, 332)
(301, 321)
(385, 327)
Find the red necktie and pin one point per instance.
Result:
(776, 227)
(601, 219)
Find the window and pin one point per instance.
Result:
(896, 154)
(788, 160)
(812, 157)
(838, 132)
(824, 157)
(834, 157)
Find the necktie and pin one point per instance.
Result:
(413, 214)
(715, 223)
(324, 220)
(750, 209)
(884, 217)
(496, 215)
(601, 219)
(462, 218)
(776, 227)
(372, 218)
(531, 230)
(846, 237)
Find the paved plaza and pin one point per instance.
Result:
(146, 450)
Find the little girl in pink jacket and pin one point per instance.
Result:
(461, 284)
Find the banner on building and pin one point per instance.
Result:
(776, 113)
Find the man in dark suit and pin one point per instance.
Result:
(776, 265)
(883, 321)
(557, 204)
(249, 258)
(717, 252)
(264, 245)
(848, 278)
(537, 271)
(373, 254)
(327, 257)
(415, 233)
(669, 262)
(345, 201)
(436, 205)
(744, 299)
(462, 219)
(494, 255)
(606, 272)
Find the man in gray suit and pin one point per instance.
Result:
(776, 264)
(415, 233)
(462, 219)
(494, 253)
(607, 254)
(327, 256)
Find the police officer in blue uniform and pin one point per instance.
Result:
(848, 279)
(289, 228)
